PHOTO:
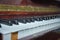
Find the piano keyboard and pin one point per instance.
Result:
(25, 20)
(25, 30)
(25, 27)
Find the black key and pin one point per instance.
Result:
(27, 20)
(14, 22)
(38, 18)
(50, 17)
(57, 16)
(53, 17)
(46, 18)
(6, 22)
(32, 20)
(22, 21)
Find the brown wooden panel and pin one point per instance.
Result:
(27, 14)
(14, 36)
(1, 37)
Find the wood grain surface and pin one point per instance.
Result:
(6, 15)
(14, 36)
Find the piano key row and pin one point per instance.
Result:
(26, 20)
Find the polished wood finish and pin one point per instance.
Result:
(11, 15)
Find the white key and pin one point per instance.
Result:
(40, 29)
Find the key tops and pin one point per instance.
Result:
(28, 19)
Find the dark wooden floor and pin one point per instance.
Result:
(48, 36)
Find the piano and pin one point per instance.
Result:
(25, 19)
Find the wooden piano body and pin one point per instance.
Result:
(23, 24)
